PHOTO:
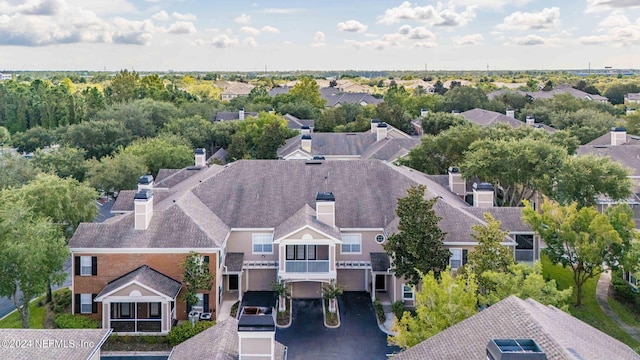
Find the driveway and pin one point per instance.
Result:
(358, 336)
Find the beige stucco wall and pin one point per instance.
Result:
(242, 242)
(125, 291)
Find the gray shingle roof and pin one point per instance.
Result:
(219, 342)
(560, 335)
(332, 143)
(165, 173)
(380, 261)
(633, 96)
(232, 115)
(605, 140)
(146, 276)
(233, 261)
(296, 124)
(627, 155)
(483, 117)
(306, 216)
(510, 217)
(390, 149)
(48, 339)
(351, 98)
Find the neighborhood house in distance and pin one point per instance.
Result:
(306, 222)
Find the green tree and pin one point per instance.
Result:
(417, 247)
(524, 282)
(581, 239)
(114, 173)
(307, 89)
(464, 98)
(162, 152)
(197, 130)
(5, 136)
(441, 302)
(16, 170)
(584, 178)
(33, 139)
(489, 254)
(436, 122)
(33, 253)
(196, 277)
(123, 87)
(65, 162)
(97, 138)
(260, 137)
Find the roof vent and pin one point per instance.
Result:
(306, 137)
(514, 349)
(454, 169)
(318, 157)
(305, 127)
(618, 129)
(325, 196)
(201, 151)
(383, 125)
(600, 146)
(145, 179)
(483, 186)
(143, 195)
(313, 162)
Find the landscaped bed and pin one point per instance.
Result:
(331, 319)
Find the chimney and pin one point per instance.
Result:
(271, 111)
(305, 130)
(482, 195)
(618, 136)
(374, 125)
(326, 208)
(381, 131)
(424, 112)
(145, 182)
(256, 333)
(241, 114)
(143, 205)
(514, 349)
(455, 112)
(306, 143)
(511, 112)
(201, 157)
(530, 120)
(457, 184)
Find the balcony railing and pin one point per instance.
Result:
(524, 255)
(307, 266)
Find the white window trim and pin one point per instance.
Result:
(86, 300)
(453, 252)
(346, 242)
(260, 237)
(413, 293)
(85, 261)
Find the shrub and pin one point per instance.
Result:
(398, 309)
(623, 291)
(234, 310)
(60, 300)
(71, 321)
(377, 305)
(186, 331)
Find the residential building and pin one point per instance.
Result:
(294, 123)
(483, 117)
(5, 76)
(632, 98)
(234, 115)
(560, 89)
(256, 222)
(382, 142)
(233, 89)
(72, 344)
(341, 98)
(556, 333)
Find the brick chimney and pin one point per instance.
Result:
(143, 208)
(374, 125)
(305, 143)
(326, 208)
(256, 333)
(201, 157)
(381, 131)
(510, 112)
(457, 184)
(241, 114)
(145, 182)
(482, 195)
(618, 136)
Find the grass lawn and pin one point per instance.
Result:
(629, 317)
(36, 317)
(590, 311)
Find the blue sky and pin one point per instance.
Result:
(286, 35)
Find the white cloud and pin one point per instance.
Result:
(184, 17)
(182, 27)
(243, 19)
(492, 4)
(417, 33)
(548, 18)
(439, 15)
(530, 40)
(594, 39)
(471, 39)
(270, 30)
(281, 11)
(614, 20)
(223, 41)
(375, 44)
(424, 44)
(102, 6)
(616, 30)
(250, 30)
(250, 41)
(318, 39)
(352, 26)
(604, 5)
(160, 16)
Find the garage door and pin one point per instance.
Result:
(352, 280)
(260, 280)
(307, 290)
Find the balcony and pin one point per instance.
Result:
(307, 266)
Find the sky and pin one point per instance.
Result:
(290, 35)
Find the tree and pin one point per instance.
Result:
(436, 122)
(581, 239)
(281, 288)
(97, 138)
(33, 139)
(417, 246)
(489, 254)
(330, 292)
(65, 162)
(307, 89)
(16, 170)
(5, 136)
(162, 152)
(524, 282)
(114, 173)
(123, 87)
(259, 137)
(584, 178)
(196, 277)
(198, 131)
(464, 98)
(33, 253)
(440, 303)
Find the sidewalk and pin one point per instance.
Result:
(388, 323)
(602, 297)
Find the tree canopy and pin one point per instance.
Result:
(489, 254)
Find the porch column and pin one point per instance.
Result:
(166, 317)
(106, 315)
(332, 257)
(240, 286)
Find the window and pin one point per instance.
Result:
(200, 305)
(351, 244)
(125, 310)
(86, 303)
(380, 238)
(154, 309)
(455, 261)
(262, 243)
(85, 265)
(407, 292)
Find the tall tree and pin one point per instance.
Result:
(162, 152)
(123, 87)
(489, 254)
(196, 277)
(65, 162)
(307, 89)
(581, 239)
(97, 138)
(16, 170)
(441, 302)
(417, 247)
(114, 173)
(464, 98)
(33, 254)
(259, 137)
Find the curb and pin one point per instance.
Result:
(324, 316)
(290, 314)
(384, 328)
